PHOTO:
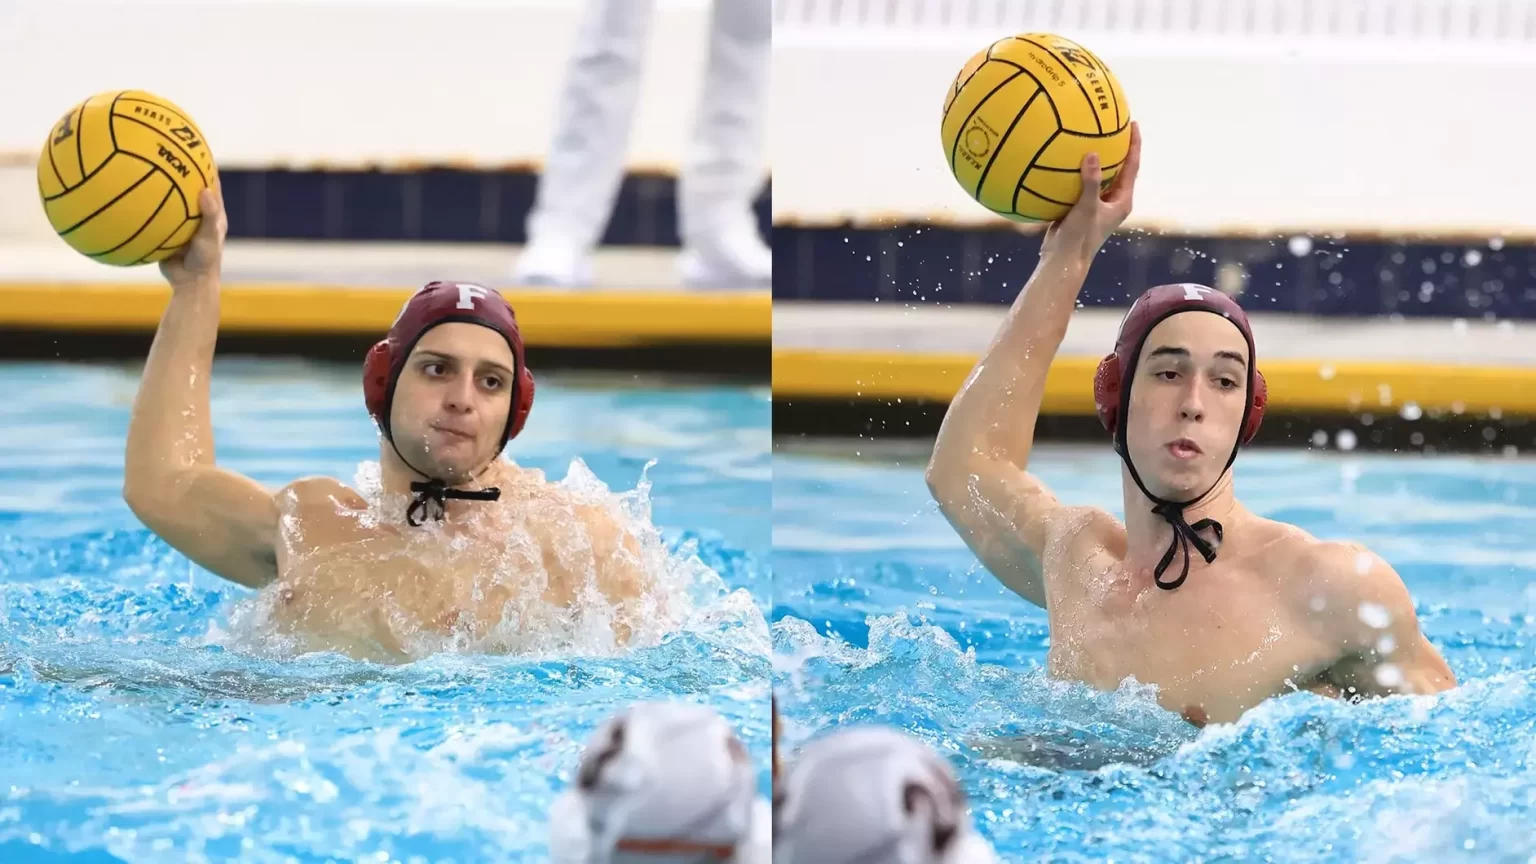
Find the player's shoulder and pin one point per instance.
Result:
(1342, 569)
(1289, 549)
(1086, 522)
(553, 500)
(1346, 558)
(309, 491)
(1075, 530)
(512, 477)
(1342, 584)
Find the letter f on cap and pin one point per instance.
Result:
(467, 295)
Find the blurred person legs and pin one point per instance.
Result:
(872, 794)
(721, 170)
(585, 166)
(662, 782)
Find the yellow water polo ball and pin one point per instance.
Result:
(1021, 115)
(120, 174)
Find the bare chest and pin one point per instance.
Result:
(346, 583)
(1216, 646)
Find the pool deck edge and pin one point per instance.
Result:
(873, 352)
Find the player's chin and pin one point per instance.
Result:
(459, 469)
(1183, 481)
(452, 465)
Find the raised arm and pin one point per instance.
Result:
(220, 520)
(979, 471)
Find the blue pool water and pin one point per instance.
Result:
(881, 615)
(134, 729)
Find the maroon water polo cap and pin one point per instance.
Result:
(442, 303)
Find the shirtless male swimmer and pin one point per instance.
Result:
(462, 542)
(1261, 608)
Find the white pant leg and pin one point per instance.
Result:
(723, 169)
(585, 165)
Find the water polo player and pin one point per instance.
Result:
(872, 794)
(456, 540)
(662, 783)
(1216, 606)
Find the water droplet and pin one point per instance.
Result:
(1375, 615)
(1320, 438)
(1386, 644)
(1388, 675)
(1496, 243)
(1300, 245)
(1326, 373)
(1411, 411)
(1459, 326)
(1510, 452)
(1472, 258)
(1318, 603)
(1362, 563)
(1346, 440)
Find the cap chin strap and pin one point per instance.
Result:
(431, 496)
(1184, 534)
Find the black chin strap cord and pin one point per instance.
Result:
(436, 493)
(1184, 535)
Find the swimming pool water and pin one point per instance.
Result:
(133, 729)
(881, 615)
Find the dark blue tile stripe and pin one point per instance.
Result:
(438, 204)
(1349, 277)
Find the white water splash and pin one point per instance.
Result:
(683, 592)
(1375, 615)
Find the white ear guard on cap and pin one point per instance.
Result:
(873, 796)
(662, 783)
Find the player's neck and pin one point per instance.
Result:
(1148, 534)
(396, 478)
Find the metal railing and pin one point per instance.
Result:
(1501, 21)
